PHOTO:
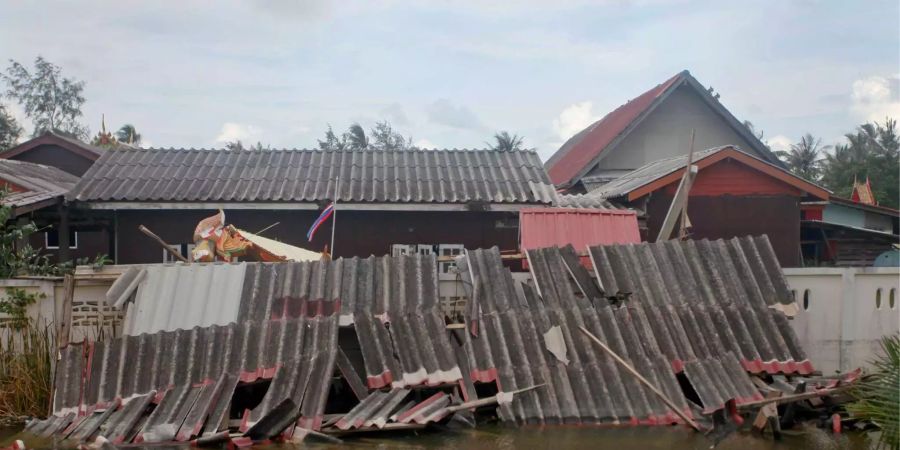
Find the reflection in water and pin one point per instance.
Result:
(557, 438)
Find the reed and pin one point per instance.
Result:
(25, 370)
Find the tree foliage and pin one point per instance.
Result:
(504, 141)
(872, 152)
(128, 135)
(51, 101)
(381, 137)
(10, 131)
(878, 396)
(803, 159)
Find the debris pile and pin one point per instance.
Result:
(301, 349)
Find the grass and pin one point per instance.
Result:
(25, 370)
(878, 397)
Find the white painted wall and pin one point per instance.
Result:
(841, 322)
(666, 132)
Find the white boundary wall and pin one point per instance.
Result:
(844, 312)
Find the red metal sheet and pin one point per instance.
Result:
(581, 227)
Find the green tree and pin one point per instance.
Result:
(356, 137)
(10, 131)
(504, 141)
(385, 138)
(803, 157)
(234, 145)
(333, 141)
(51, 101)
(872, 152)
(128, 134)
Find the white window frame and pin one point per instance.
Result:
(56, 247)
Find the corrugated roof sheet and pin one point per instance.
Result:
(398, 176)
(587, 387)
(194, 369)
(392, 302)
(584, 201)
(39, 181)
(545, 227)
(703, 298)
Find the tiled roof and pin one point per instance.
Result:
(366, 176)
(40, 182)
(630, 183)
(576, 155)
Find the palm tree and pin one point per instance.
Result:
(803, 158)
(128, 135)
(356, 137)
(507, 142)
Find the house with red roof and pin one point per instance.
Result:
(652, 126)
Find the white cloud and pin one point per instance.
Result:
(573, 119)
(238, 132)
(876, 97)
(780, 142)
(425, 144)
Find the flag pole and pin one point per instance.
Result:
(334, 210)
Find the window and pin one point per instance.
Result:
(892, 298)
(184, 249)
(878, 298)
(806, 299)
(51, 239)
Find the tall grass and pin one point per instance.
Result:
(25, 370)
(878, 397)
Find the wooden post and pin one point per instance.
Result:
(64, 329)
(161, 242)
(643, 380)
(63, 233)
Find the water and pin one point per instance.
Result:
(557, 438)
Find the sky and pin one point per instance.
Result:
(449, 74)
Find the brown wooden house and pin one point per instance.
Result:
(56, 150)
(733, 194)
(387, 201)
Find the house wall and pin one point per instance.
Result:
(727, 216)
(843, 215)
(90, 244)
(844, 313)
(666, 132)
(358, 233)
(56, 156)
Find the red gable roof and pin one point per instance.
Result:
(582, 148)
(575, 157)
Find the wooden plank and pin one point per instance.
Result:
(177, 254)
(65, 323)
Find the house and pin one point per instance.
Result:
(734, 194)
(849, 231)
(35, 193)
(387, 201)
(53, 149)
(652, 126)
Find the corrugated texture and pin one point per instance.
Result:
(185, 296)
(587, 386)
(584, 201)
(399, 176)
(648, 173)
(185, 364)
(374, 410)
(700, 299)
(39, 181)
(392, 302)
(545, 227)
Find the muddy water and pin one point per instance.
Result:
(496, 437)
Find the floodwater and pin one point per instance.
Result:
(558, 438)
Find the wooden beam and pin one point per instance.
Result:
(163, 243)
(678, 202)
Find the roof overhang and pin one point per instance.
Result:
(492, 207)
(839, 226)
(813, 190)
(49, 139)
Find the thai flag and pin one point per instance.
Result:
(326, 213)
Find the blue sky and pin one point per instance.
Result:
(449, 74)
